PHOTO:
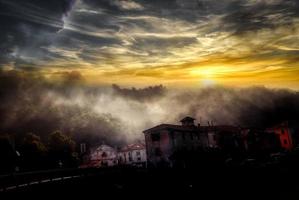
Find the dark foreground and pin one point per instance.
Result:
(210, 182)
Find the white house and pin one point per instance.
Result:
(103, 156)
(133, 155)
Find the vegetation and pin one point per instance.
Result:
(62, 150)
(32, 153)
(7, 154)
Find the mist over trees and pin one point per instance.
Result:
(143, 94)
(117, 115)
(62, 150)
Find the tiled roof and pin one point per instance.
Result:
(131, 147)
(171, 126)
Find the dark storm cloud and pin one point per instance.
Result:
(31, 25)
(115, 6)
(28, 25)
(255, 106)
(261, 14)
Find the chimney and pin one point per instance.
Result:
(187, 121)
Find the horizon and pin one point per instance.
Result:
(187, 44)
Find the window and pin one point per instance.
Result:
(191, 136)
(282, 131)
(130, 156)
(104, 164)
(137, 153)
(138, 158)
(83, 147)
(183, 136)
(104, 154)
(158, 152)
(155, 137)
(285, 141)
(172, 135)
(214, 137)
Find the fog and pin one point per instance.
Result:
(117, 115)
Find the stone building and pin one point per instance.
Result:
(164, 140)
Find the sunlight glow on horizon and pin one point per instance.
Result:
(153, 44)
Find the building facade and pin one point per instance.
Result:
(103, 156)
(133, 155)
(166, 140)
(287, 132)
(258, 141)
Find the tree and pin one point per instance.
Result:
(62, 150)
(8, 155)
(33, 152)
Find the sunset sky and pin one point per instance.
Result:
(177, 43)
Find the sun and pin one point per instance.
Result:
(205, 72)
(207, 82)
(206, 75)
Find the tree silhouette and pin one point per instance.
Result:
(33, 152)
(8, 155)
(62, 150)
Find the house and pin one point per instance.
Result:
(133, 155)
(257, 141)
(166, 140)
(103, 156)
(107, 156)
(288, 133)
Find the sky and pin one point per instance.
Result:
(177, 43)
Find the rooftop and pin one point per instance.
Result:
(131, 147)
(224, 128)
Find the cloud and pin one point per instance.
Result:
(27, 26)
(110, 36)
(257, 15)
(127, 5)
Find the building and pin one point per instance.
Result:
(259, 142)
(107, 156)
(166, 140)
(132, 155)
(288, 133)
(103, 156)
